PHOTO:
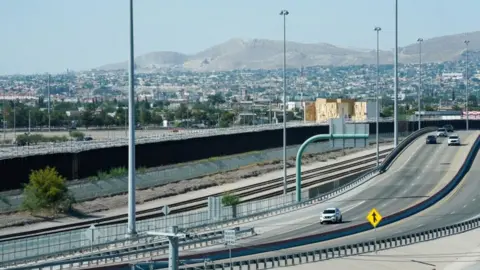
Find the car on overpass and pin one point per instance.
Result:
(453, 140)
(331, 215)
(442, 132)
(431, 139)
(449, 128)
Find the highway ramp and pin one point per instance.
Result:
(414, 176)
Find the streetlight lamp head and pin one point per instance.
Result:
(284, 12)
(420, 40)
(377, 28)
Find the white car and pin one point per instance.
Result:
(453, 140)
(332, 215)
(441, 132)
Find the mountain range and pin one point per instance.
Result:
(268, 54)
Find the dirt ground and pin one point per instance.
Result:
(146, 195)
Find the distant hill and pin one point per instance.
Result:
(268, 54)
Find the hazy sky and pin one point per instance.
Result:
(53, 35)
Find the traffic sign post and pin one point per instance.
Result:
(230, 237)
(374, 218)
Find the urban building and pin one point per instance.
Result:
(323, 109)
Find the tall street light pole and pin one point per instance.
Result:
(48, 102)
(466, 83)
(420, 86)
(395, 81)
(132, 231)
(377, 111)
(284, 13)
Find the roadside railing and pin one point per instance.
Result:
(56, 242)
(318, 255)
(157, 245)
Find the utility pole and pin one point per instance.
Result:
(377, 110)
(172, 236)
(467, 97)
(395, 81)
(284, 13)
(48, 101)
(132, 231)
(420, 40)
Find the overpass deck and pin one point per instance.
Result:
(459, 252)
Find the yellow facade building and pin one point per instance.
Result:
(335, 108)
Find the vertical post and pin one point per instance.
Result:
(173, 250)
(377, 110)
(284, 13)
(48, 101)
(4, 123)
(29, 121)
(467, 97)
(230, 256)
(375, 243)
(395, 81)
(14, 119)
(131, 139)
(420, 40)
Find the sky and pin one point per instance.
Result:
(41, 36)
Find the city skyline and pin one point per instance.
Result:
(84, 35)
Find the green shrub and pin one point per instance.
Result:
(47, 190)
(77, 135)
(229, 199)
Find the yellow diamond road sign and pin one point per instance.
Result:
(374, 217)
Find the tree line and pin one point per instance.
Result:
(115, 113)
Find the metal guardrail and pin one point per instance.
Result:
(395, 153)
(148, 250)
(318, 255)
(158, 245)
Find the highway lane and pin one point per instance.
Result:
(444, 162)
(461, 205)
(448, 162)
(411, 178)
(405, 185)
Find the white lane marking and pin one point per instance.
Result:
(397, 232)
(414, 154)
(452, 213)
(473, 199)
(419, 226)
(464, 206)
(346, 209)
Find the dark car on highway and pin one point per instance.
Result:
(431, 139)
(449, 128)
